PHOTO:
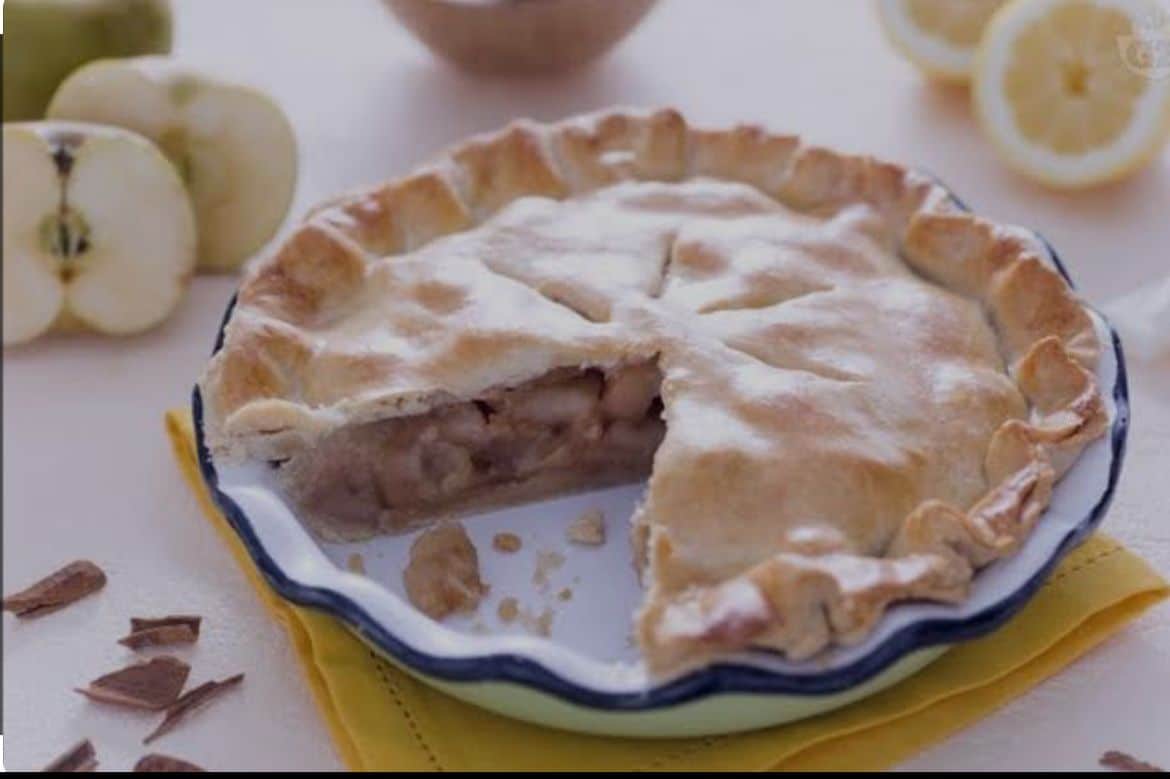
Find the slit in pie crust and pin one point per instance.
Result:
(845, 390)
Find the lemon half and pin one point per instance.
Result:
(1066, 95)
(939, 36)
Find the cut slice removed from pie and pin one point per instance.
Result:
(571, 429)
(844, 390)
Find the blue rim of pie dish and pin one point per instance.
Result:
(716, 679)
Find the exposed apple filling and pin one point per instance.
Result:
(572, 429)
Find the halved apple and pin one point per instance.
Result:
(232, 144)
(98, 230)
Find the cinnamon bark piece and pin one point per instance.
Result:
(152, 685)
(162, 631)
(57, 590)
(1120, 761)
(189, 702)
(81, 757)
(156, 763)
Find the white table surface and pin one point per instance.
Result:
(87, 471)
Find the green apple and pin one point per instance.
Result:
(232, 144)
(101, 236)
(46, 40)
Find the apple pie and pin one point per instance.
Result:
(843, 389)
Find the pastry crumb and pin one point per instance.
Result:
(508, 610)
(544, 623)
(565, 594)
(507, 543)
(442, 576)
(1122, 762)
(588, 529)
(356, 563)
(546, 563)
(541, 624)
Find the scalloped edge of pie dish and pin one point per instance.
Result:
(299, 571)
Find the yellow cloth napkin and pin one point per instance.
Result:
(382, 719)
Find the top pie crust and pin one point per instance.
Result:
(868, 392)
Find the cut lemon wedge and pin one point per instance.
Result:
(939, 36)
(1067, 91)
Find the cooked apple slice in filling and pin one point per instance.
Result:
(572, 429)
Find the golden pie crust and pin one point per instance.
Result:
(868, 393)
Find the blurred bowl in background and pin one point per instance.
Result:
(519, 36)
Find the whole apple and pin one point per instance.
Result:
(46, 40)
(232, 145)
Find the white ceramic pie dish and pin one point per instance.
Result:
(586, 674)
